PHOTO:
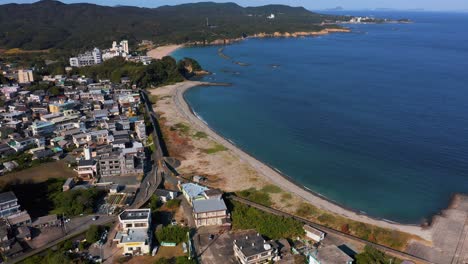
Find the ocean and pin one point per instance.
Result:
(375, 120)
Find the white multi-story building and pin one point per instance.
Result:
(25, 76)
(134, 234)
(86, 59)
(117, 50)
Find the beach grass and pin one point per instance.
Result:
(271, 189)
(286, 196)
(306, 210)
(217, 148)
(181, 127)
(200, 135)
(256, 196)
(384, 236)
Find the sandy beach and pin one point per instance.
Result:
(162, 51)
(174, 107)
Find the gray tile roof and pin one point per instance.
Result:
(210, 205)
(251, 243)
(332, 254)
(7, 196)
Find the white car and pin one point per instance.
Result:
(155, 251)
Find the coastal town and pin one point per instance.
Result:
(102, 160)
(103, 131)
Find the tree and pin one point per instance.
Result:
(172, 234)
(272, 226)
(374, 256)
(154, 203)
(75, 202)
(3, 80)
(93, 234)
(173, 204)
(55, 91)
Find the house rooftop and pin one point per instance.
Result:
(193, 190)
(210, 205)
(86, 163)
(135, 214)
(133, 236)
(250, 243)
(7, 197)
(332, 254)
(313, 230)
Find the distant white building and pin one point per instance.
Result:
(117, 50)
(86, 59)
(272, 16)
(25, 76)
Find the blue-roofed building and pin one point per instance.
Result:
(193, 191)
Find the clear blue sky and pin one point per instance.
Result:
(310, 4)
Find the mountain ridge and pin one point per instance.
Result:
(49, 24)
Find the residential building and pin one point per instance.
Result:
(165, 195)
(313, 233)
(118, 163)
(61, 106)
(10, 210)
(42, 128)
(87, 169)
(140, 130)
(210, 212)
(86, 59)
(45, 221)
(134, 234)
(330, 254)
(25, 76)
(22, 143)
(193, 191)
(8, 204)
(251, 248)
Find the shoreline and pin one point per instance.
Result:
(276, 177)
(163, 51)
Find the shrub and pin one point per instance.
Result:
(306, 210)
(200, 135)
(173, 204)
(372, 255)
(217, 148)
(93, 234)
(272, 226)
(256, 196)
(172, 234)
(271, 189)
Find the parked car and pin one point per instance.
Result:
(155, 251)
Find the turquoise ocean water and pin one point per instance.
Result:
(375, 120)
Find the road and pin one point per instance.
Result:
(154, 178)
